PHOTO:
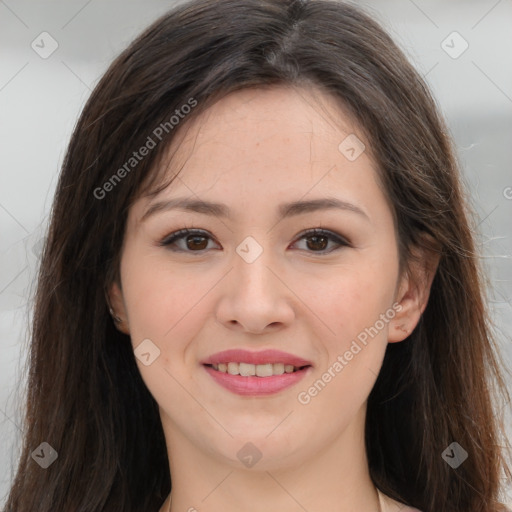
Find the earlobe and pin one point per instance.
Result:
(115, 303)
(413, 294)
(407, 316)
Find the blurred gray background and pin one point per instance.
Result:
(53, 53)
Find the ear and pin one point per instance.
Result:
(117, 305)
(413, 290)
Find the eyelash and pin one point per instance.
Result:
(181, 234)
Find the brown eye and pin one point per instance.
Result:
(195, 241)
(317, 240)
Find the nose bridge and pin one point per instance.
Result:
(254, 297)
(251, 264)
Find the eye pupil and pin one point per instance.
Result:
(196, 242)
(315, 239)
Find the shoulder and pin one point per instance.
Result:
(390, 505)
(398, 507)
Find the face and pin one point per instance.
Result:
(273, 267)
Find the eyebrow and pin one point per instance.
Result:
(222, 211)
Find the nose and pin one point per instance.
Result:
(255, 296)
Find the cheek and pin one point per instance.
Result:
(163, 308)
(354, 345)
(158, 300)
(349, 299)
(359, 307)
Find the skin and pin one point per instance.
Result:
(252, 151)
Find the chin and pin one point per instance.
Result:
(258, 451)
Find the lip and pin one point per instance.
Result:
(261, 357)
(256, 386)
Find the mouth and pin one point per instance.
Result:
(250, 373)
(256, 370)
(252, 380)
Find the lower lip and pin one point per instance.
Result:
(256, 386)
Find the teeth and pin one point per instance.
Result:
(246, 370)
(278, 368)
(260, 370)
(264, 370)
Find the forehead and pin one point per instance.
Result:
(246, 119)
(281, 128)
(260, 145)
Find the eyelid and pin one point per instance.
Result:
(180, 234)
(324, 231)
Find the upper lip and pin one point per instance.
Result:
(261, 357)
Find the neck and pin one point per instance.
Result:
(334, 477)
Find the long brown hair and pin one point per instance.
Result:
(85, 395)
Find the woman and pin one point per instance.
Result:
(260, 282)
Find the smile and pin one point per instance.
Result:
(258, 370)
(256, 373)
(256, 380)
